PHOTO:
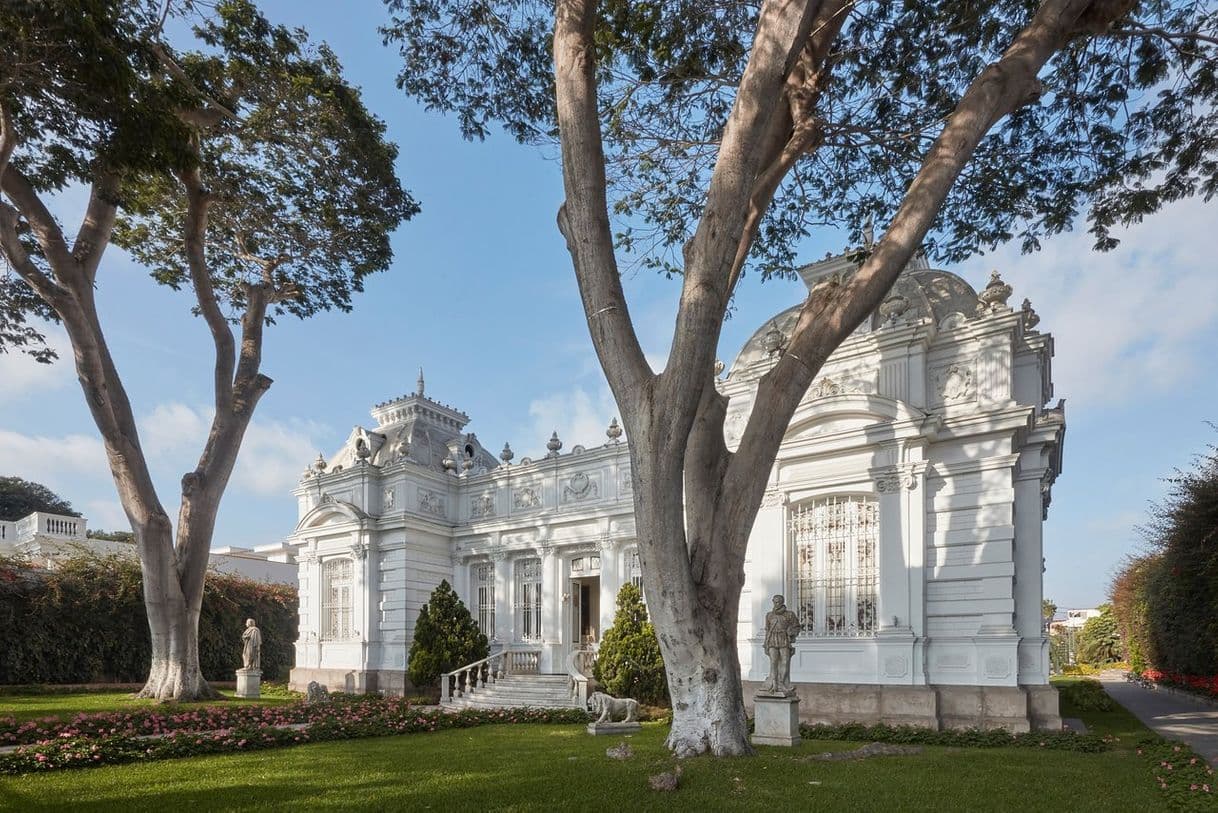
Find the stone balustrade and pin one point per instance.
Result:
(478, 675)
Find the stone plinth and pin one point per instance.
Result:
(600, 729)
(249, 683)
(775, 720)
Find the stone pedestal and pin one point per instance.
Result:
(600, 729)
(775, 720)
(249, 683)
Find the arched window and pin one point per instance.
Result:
(834, 541)
(528, 599)
(337, 594)
(484, 595)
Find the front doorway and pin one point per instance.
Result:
(585, 611)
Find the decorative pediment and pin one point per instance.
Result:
(330, 511)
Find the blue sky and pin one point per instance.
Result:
(482, 296)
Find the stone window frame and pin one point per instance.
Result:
(834, 542)
(338, 613)
(482, 581)
(527, 599)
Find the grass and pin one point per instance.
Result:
(1117, 723)
(542, 767)
(65, 706)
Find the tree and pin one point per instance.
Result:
(20, 498)
(246, 171)
(445, 637)
(628, 662)
(704, 137)
(1047, 610)
(1099, 641)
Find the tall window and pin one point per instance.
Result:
(484, 584)
(336, 600)
(528, 599)
(634, 570)
(834, 541)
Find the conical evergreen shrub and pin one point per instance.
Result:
(629, 663)
(445, 637)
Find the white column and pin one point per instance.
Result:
(1033, 661)
(503, 599)
(611, 582)
(551, 612)
(766, 572)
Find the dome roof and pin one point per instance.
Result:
(919, 293)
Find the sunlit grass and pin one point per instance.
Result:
(66, 706)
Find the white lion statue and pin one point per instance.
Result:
(610, 708)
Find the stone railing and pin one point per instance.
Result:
(56, 525)
(478, 675)
(579, 666)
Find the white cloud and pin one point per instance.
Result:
(579, 415)
(272, 454)
(56, 462)
(21, 376)
(1126, 322)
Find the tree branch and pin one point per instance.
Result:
(97, 224)
(50, 237)
(198, 203)
(583, 218)
(1138, 30)
(14, 251)
(834, 309)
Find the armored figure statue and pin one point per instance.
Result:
(781, 627)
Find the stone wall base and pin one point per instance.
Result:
(1014, 708)
(384, 681)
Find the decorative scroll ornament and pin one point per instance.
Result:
(431, 503)
(326, 499)
(954, 382)
(525, 498)
(1030, 317)
(893, 308)
(482, 505)
(771, 498)
(896, 479)
(580, 487)
(358, 549)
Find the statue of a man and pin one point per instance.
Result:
(251, 650)
(781, 627)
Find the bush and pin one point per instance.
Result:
(1099, 642)
(84, 622)
(966, 738)
(1085, 695)
(629, 663)
(445, 638)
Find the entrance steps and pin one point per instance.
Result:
(518, 691)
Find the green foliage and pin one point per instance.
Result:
(445, 637)
(629, 663)
(20, 498)
(111, 536)
(966, 738)
(1099, 641)
(85, 622)
(1086, 694)
(1126, 122)
(1166, 602)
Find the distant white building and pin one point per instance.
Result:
(45, 539)
(902, 520)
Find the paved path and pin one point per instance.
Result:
(1171, 714)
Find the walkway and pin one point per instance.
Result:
(1173, 715)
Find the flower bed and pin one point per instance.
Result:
(967, 738)
(1202, 685)
(113, 741)
(1185, 778)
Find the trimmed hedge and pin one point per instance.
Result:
(84, 622)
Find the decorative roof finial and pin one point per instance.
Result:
(419, 390)
(553, 444)
(507, 454)
(614, 432)
(320, 464)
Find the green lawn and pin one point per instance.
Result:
(528, 767)
(1117, 723)
(66, 706)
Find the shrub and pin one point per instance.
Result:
(1099, 642)
(445, 638)
(84, 622)
(629, 663)
(1085, 695)
(966, 738)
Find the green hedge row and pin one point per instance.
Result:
(84, 622)
(1166, 602)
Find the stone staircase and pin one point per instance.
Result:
(518, 691)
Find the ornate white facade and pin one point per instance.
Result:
(902, 520)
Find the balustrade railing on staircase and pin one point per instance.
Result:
(480, 674)
(579, 666)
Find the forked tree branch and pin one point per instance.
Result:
(97, 225)
(583, 218)
(833, 310)
(46, 231)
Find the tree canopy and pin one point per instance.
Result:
(20, 498)
(445, 637)
(1126, 119)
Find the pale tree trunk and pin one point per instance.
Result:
(173, 570)
(695, 502)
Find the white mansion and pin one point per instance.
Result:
(902, 521)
